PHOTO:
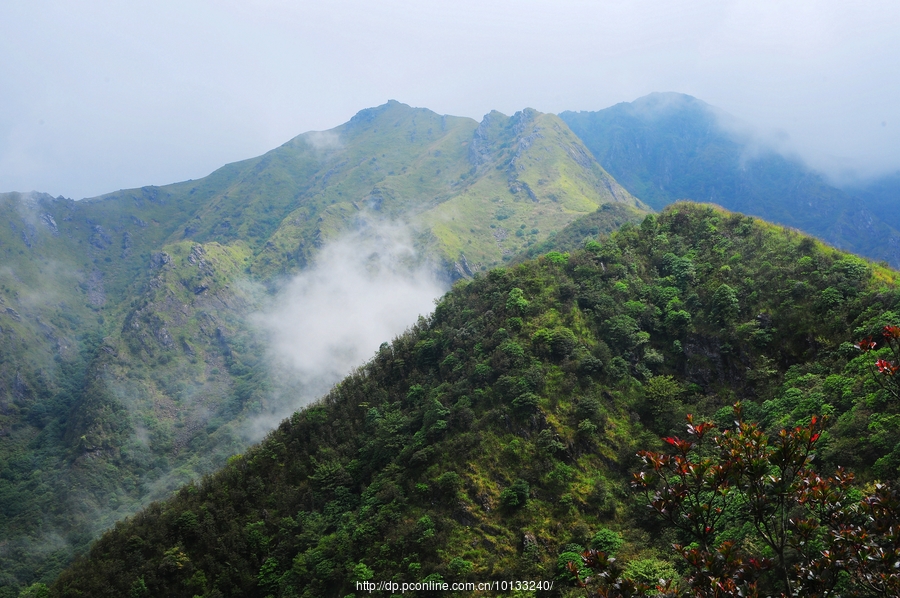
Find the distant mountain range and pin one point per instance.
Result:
(880, 197)
(666, 146)
(127, 363)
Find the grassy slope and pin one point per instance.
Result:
(599, 224)
(126, 364)
(545, 373)
(537, 176)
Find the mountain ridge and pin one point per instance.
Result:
(666, 146)
(127, 363)
(495, 438)
(127, 366)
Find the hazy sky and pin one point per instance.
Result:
(102, 95)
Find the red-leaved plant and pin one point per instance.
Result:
(757, 520)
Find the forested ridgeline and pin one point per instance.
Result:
(129, 357)
(496, 439)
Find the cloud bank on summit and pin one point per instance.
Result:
(123, 95)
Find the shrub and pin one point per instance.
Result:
(460, 567)
(607, 540)
(650, 571)
(516, 495)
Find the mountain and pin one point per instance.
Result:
(496, 438)
(607, 219)
(132, 358)
(666, 146)
(129, 364)
(880, 196)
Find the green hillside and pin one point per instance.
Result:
(600, 224)
(496, 438)
(667, 147)
(127, 362)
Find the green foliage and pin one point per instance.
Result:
(555, 257)
(583, 233)
(515, 495)
(516, 302)
(608, 541)
(460, 567)
(652, 572)
(35, 590)
(562, 565)
(759, 517)
(139, 589)
(361, 572)
(526, 402)
(725, 303)
(138, 373)
(500, 442)
(449, 482)
(127, 362)
(661, 402)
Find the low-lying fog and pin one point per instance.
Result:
(365, 288)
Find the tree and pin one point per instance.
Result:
(661, 394)
(888, 369)
(725, 303)
(756, 519)
(35, 590)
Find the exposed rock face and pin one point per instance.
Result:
(197, 258)
(465, 264)
(126, 244)
(481, 146)
(96, 293)
(99, 238)
(50, 223)
(159, 259)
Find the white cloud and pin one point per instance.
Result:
(323, 140)
(364, 289)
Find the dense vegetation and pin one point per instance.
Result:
(754, 518)
(496, 439)
(127, 364)
(607, 219)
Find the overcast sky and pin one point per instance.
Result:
(102, 95)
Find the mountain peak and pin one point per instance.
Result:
(389, 108)
(368, 114)
(666, 104)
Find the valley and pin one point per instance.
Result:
(137, 332)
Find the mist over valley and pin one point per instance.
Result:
(151, 337)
